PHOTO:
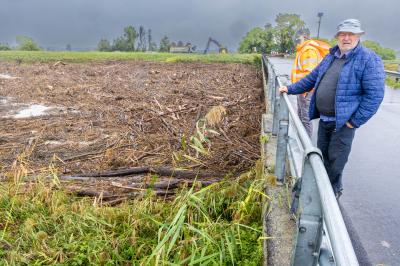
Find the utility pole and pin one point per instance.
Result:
(320, 14)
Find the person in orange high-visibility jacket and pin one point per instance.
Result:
(309, 53)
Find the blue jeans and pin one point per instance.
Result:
(335, 146)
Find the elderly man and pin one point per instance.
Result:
(349, 87)
(309, 53)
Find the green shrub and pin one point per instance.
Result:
(392, 82)
(4, 47)
(385, 53)
(27, 44)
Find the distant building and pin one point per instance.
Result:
(180, 48)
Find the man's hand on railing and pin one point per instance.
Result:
(349, 125)
(283, 89)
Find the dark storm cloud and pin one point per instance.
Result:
(81, 23)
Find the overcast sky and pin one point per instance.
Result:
(82, 23)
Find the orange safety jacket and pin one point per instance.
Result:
(308, 55)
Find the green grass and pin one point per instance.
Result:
(392, 65)
(391, 82)
(396, 61)
(82, 57)
(217, 225)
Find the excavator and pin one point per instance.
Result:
(222, 49)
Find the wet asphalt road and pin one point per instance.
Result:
(371, 200)
(372, 183)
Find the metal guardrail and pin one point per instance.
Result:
(392, 73)
(317, 203)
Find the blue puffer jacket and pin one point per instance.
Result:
(360, 87)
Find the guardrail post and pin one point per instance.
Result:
(309, 232)
(276, 104)
(281, 122)
(266, 82)
(275, 119)
(271, 88)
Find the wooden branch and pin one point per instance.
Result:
(122, 172)
(168, 126)
(176, 183)
(169, 184)
(92, 193)
(242, 156)
(148, 153)
(162, 171)
(118, 185)
(171, 112)
(114, 202)
(134, 195)
(95, 152)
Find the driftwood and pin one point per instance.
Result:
(165, 193)
(161, 171)
(168, 126)
(108, 196)
(95, 152)
(172, 112)
(169, 184)
(176, 183)
(138, 188)
(148, 153)
(164, 189)
(92, 193)
(115, 202)
(118, 185)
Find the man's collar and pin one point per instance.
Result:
(339, 54)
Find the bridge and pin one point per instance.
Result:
(370, 204)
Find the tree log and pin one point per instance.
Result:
(161, 171)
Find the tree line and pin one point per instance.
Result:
(130, 41)
(127, 42)
(138, 41)
(268, 39)
(24, 43)
(279, 38)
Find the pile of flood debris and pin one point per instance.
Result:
(95, 124)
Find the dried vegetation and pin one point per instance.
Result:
(115, 115)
